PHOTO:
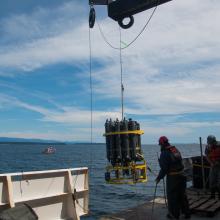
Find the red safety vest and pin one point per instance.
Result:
(214, 153)
(174, 151)
(176, 165)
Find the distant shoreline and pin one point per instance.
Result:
(76, 143)
(47, 143)
(35, 143)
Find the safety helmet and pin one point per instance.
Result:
(163, 140)
(211, 139)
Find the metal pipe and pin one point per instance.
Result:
(155, 192)
(164, 192)
(202, 163)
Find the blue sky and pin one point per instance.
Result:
(171, 73)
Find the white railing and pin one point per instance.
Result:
(53, 194)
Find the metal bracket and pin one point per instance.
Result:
(99, 2)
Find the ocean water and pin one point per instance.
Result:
(104, 198)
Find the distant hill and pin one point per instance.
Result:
(26, 140)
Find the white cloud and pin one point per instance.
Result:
(67, 115)
(179, 30)
(178, 33)
(78, 124)
(173, 68)
(196, 92)
(79, 116)
(40, 23)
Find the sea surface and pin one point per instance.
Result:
(104, 198)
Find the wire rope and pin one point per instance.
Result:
(91, 106)
(131, 42)
(91, 112)
(121, 74)
(122, 98)
(91, 89)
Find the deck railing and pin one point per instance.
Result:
(53, 194)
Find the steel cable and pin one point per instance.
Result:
(129, 44)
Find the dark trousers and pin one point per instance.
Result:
(176, 195)
(214, 179)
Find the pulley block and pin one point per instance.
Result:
(92, 17)
(129, 24)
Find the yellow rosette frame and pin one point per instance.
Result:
(130, 172)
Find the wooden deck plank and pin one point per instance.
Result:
(191, 201)
(215, 207)
(198, 203)
(206, 205)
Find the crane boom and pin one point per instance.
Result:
(118, 10)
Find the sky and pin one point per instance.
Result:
(171, 73)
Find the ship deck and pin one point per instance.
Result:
(201, 206)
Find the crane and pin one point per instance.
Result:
(119, 10)
(126, 163)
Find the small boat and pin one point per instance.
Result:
(49, 150)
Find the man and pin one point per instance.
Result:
(212, 152)
(171, 166)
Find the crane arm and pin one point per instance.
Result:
(120, 9)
